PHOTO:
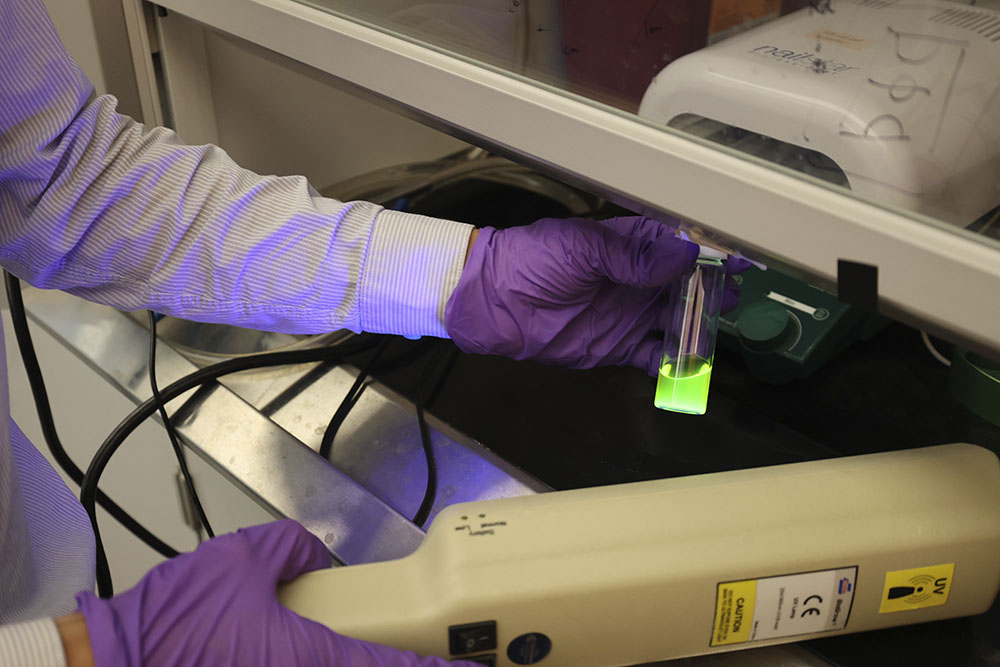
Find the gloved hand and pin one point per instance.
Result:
(574, 292)
(217, 606)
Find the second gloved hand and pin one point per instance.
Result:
(218, 606)
(574, 292)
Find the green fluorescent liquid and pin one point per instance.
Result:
(682, 385)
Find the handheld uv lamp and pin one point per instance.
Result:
(633, 573)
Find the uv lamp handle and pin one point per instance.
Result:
(377, 602)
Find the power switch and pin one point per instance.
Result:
(472, 637)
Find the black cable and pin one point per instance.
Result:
(47, 421)
(172, 432)
(346, 405)
(413, 351)
(453, 356)
(430, 491)
(354, 393)
(88, 487)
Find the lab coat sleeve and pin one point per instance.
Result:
(99, 205)
(31, 644)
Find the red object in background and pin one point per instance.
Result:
(612, 50)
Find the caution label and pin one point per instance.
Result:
(734, 612)
(906, 590)
(783, 606)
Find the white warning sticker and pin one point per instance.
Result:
(783, 606)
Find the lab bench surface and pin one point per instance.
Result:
(574, 428)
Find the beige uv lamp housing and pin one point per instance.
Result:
(634, 573)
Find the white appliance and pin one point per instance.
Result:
(897, 99)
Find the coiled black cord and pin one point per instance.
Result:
(350, 400)
(88, 488)
(422, 402)
(172, 432)
(428, 393)
(23, 335)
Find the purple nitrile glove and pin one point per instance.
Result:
(574, 292)
(218, 606)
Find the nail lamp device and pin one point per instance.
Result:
(633, 573)
(897, 100)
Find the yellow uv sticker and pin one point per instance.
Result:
(734, 612)
(917, 588)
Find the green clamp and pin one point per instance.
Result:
(974, 381)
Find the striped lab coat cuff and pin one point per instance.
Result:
(31, 644)
(412, 266)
